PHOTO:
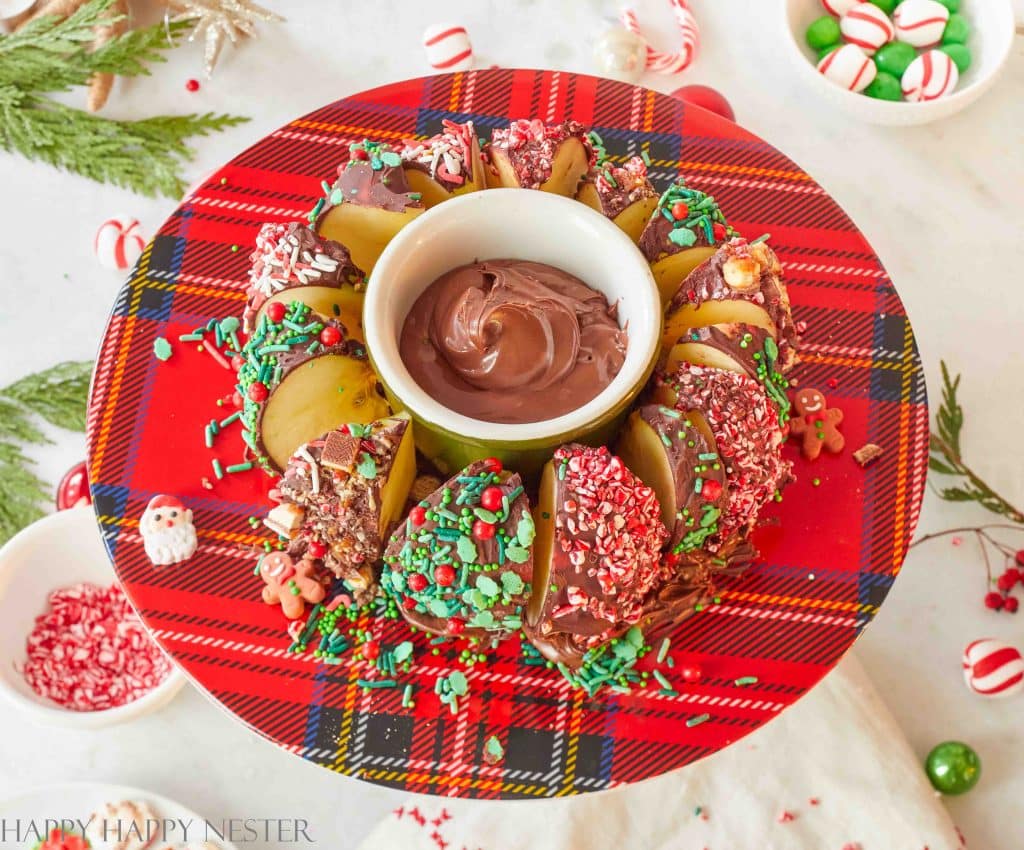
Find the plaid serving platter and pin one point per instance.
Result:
(830, 550)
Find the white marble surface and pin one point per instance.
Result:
(941, 204)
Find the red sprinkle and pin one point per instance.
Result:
(417, 582)
(719, 231)
(90, 651)
(371, 650)
(444, 575)
(192, 85)
(691, 673)
(330, 335)
(418, 515)
(276, 311)
(491, 498)
(494, 464)
(680, 211)
(359, 153)
(258, 391)
(483, 530)
(711, 490)
(316, 549)
(456, 626)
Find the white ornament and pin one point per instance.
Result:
(839, 7)
(448, 47)
(993, 669)
(868, 27)
(119, 243)
(930, 76)
(920, 22)
(13, 8)
(848, 66)
(621, 55)
(167, 531)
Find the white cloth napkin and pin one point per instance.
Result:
(834, 772)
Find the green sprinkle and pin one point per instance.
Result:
(379, 683)
(162, 349)
(697, 720)
(458, 682)
(745, 680)
(665, 683)
(240, 467)
(465, 548)
(192, 337)
(682, 236)
(485, 515)
(666, 644)
(517, 554)
(367, 466)
(218, 470)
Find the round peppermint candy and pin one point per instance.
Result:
(930, 76)
(839, 7)
(848, 66)
(119, 243)
(868, 27)
(993, 668)
(920, 22)
(448, 47)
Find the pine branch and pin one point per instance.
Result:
(57, 395)
(945, 456)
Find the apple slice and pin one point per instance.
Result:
(444, 165)
(534, 155)
(622, 193)
(453, 573)
(343, 302)
(735, 347)
(350, 485)
(672, 269)
(592, 568)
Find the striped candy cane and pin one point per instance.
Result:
(669, 63)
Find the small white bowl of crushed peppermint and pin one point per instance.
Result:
(73, 652)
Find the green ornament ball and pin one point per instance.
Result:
(823, 33)
(895, 57)
(952, 5)
(826, 51)
(953, 768)
(885, 87)
(887, 6)
(960, 55)
(957, 30)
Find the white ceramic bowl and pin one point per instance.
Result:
(518, 224)
(59, 550)
(992, 31)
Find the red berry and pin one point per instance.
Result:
(276, 311)
(1010, 604)
(359, 153)
(493, 464)
(993, 600)
(418, 515)
(417, 582)
(691, 673)
(316, 549)
(330, 335)
(408, 603)
(680, 211)
(719, 231)
(371, 649)
(192, 85)
(258, 392)
(1007, 580)
(711, 490)
(491, 498)
(483, 530)
(456, 626)
(444, 575)
(1019, 557)
(1018, 575)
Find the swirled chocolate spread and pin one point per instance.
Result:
(512, 341)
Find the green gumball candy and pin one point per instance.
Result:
(953, 768)
(887, 6)
(957, 30)
(960, 55)
(895, 57)
(885, 87)
(952, 5)
(823, 33)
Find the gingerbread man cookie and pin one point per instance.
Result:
(816, 422)
(290, 585)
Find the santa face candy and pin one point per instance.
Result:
(167, 531)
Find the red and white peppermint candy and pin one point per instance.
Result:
(993, 668)
(448, 47)
(669, 63)
(868, 27)
(118, 243)
(839, 7)
(920, 22)
(848, 66)
(930, 76)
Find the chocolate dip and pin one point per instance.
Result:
(512, 341)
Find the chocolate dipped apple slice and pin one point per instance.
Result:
(292, 263)
(741, 284)
(343, 492)
(368, 204)
(444, 165)
(462, 562)
(535, 155)
(683, 231)
(621, 192)
(596, 557)
(299, 378)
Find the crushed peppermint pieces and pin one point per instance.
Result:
(868, 454)
(531, 147)
(90, 651)
(446, 157)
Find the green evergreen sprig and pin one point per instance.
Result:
(57, 395)
(52, 55)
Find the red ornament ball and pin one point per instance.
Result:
(73, 489)
(258, 392)
(993, 600)
(444, 575)
(680, 211)
(691, 673)
(491, 498)
(330, 335)
(493, 464)
(418, 515)
(371, 650)
(456, 626)
(1011, 604)
(417, 582)
(711, 490)
(192, 85)
(706, 98)
(483, 530)
(276, 311)
(316, 549)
